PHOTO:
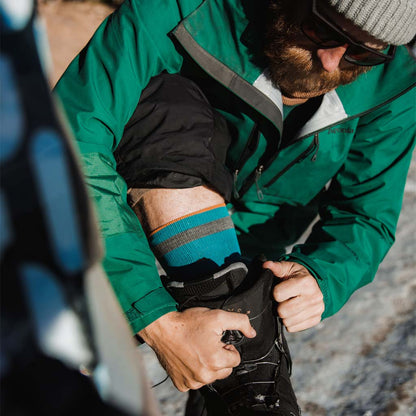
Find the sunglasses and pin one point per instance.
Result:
(326, 35)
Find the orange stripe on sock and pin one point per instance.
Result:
(185, 216)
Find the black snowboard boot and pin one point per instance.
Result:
(260, 385)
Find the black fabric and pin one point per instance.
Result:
(194, 289)
(175, 139)
(46, 387)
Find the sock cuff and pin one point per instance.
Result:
(196, 244)
(191, 220)
(186, 216)
(196, 235)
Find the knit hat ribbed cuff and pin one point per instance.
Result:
(391, 21)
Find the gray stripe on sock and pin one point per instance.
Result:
(192, 234)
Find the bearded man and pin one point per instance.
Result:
(285, 110)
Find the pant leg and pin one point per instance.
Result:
(172, 142)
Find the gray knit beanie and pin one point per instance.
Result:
(391, 21)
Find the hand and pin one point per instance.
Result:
(188, 345)
(301, 303)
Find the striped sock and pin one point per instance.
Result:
(196, 245)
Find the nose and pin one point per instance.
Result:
(330, 58)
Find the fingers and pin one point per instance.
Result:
(187, 385)
(309, 323)
(224, 373)
(288, 289)
(220, 367)
(192, 384)
(280, 269)
(236, 321)
(200, 378)
(298, 315)
(205, 376)
(216, 360)
(227, 357)
(189, 345)
(301, 285)
(300, 300)
(299, 305)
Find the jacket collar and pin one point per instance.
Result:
(227, 54)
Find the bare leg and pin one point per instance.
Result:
(158, 207)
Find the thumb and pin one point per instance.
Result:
(237, 321)
(281, 269)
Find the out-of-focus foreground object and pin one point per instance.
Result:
(65, 345)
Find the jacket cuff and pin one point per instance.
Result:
(317, 273)
(149, 308)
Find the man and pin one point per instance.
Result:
(332, 70)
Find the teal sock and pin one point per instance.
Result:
(196, 245)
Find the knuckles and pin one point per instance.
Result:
(276, 294)
(219, 361)
(310, 284)
(204, 377)
(194, 385)
(224, 374)
(282, 311)
(217, 316)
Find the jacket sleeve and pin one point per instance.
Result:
(359, 214)
(99, 92)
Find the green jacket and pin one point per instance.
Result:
(348, 162)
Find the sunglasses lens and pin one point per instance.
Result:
(360, 56)
(321, 34)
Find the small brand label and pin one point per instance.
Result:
(239, 310)
(338, 130)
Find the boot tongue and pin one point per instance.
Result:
(252, 296)
(218, 286)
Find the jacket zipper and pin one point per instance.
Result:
(313, 147)
(265, 161)
(249, 149)
(257, 175)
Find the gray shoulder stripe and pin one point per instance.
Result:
(223, 74)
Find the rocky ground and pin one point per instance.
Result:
(361, 362)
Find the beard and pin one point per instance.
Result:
(293, 64)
